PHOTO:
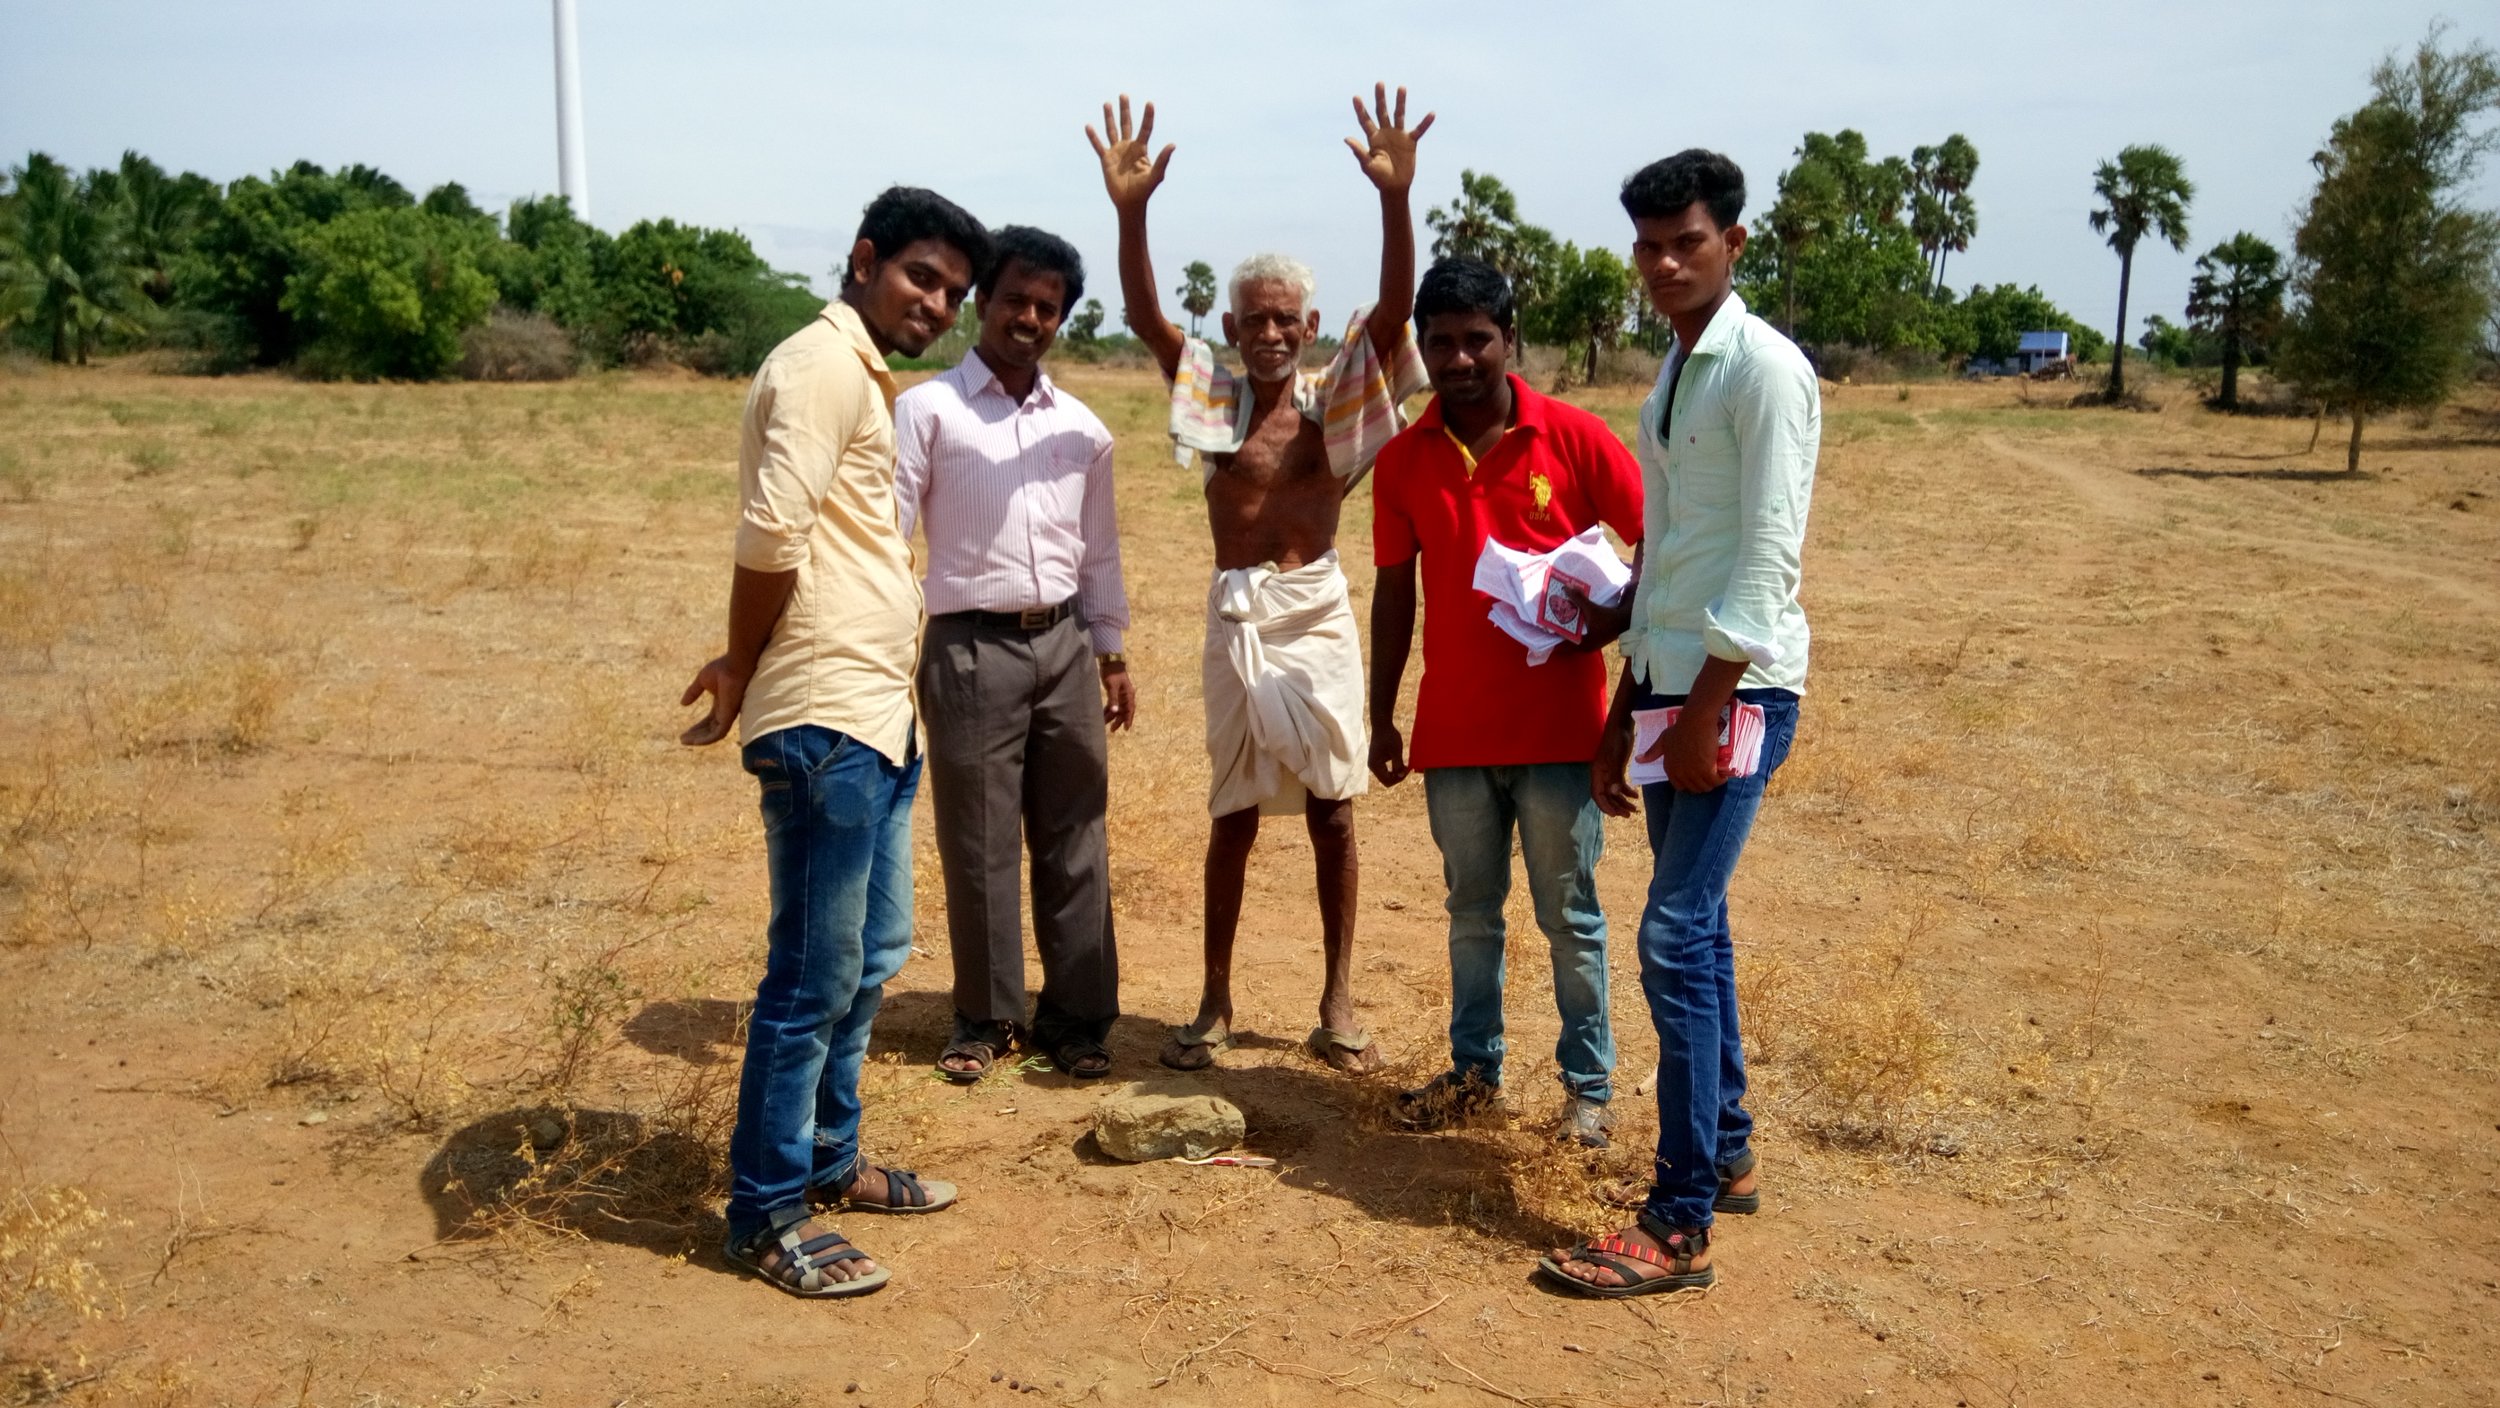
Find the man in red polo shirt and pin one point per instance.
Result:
(1503, 744)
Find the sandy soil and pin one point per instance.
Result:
(2119, 948)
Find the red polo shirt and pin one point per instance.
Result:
(1556, 473)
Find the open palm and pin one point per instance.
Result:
(1127, 173)
(1387, 150)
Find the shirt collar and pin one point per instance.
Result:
(846, 321)
(1527, 407)
(979, 376)
(1722, 330)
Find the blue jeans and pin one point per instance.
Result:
(1688, 968)
(1561, 835)
(837, 838)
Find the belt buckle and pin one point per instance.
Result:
(1033, 618)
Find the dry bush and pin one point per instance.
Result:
(587, 1005)
(1852, 1041)
(512, 346)
(20, 482)
(45, 1234)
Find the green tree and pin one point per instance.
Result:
(160, 216)
(1483, 223)
(1197, 293)
(2144, 191)
(2237, 299)
(2169, 344)
(1585, 304)
(244, 258)
(705, 295)
(387, 291)
(1086, 326)
(1835, 256)
(548, 262)
(1942, 214)
(66, 263)
(2391, 268)
(1998, 317)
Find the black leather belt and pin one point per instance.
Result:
(1039, 618)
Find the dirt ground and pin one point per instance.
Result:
(2118, 949)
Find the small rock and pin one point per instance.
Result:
(1945, 1146)
(316, 1117)
(1160, 1119)
(546, 1132)
(850, 1388)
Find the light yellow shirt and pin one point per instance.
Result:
(1727, 474)
(816, 496)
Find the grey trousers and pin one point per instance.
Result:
(1018, 760)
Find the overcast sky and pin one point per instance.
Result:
(781, 120)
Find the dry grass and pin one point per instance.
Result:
(337, 783)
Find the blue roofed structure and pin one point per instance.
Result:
(2040, 349)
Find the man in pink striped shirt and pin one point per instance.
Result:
(1010, 478)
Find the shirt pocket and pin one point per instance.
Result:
(1703, 464)
(1055, 510)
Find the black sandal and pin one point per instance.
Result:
(1737, 1202)
(980, 1043)
(1079, 1055)
(1628, 1260)
(795, 1262)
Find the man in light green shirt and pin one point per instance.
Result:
(1727, 448)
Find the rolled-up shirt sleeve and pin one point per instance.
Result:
(804, 424)
(1100, 593)
(1778, 425)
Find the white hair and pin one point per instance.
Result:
(1276, 268)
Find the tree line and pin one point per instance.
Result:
(348, 273)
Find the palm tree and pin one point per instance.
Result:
(2237, 295)
(1954, 165)
(2144, 192)
(1811, 204)
(1197, 292)
(159, 215)
(67, 264)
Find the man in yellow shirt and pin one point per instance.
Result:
(824, 625)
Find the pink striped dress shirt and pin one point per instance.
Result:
(1015, 498)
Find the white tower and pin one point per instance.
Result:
(572, 168)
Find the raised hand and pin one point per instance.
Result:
(1127, 174)
(1387, 151)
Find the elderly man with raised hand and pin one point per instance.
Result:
(1280, 449)
(824, 625)
(1010, 477)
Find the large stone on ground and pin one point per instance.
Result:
(1162, 1119)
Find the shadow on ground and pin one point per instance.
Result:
(701, 1031)
(608, 1175)
(2281, 476)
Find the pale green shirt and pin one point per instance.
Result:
(1726, 479)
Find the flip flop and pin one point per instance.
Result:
(1195, 1048)
(1340, 1051)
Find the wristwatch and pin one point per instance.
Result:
(1113, 660)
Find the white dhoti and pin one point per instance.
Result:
(1283, 675)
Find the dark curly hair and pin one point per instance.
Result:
(1668, 185)
(902, 215)
(1042, 252)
